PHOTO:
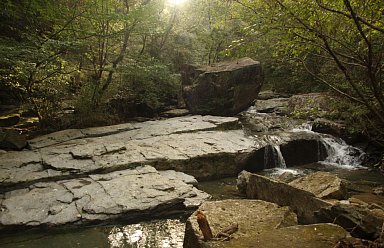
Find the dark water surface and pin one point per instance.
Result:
(160, 233)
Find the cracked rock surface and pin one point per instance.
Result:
(124, 171)
(126, 194)
(62, 154)
(202, 146)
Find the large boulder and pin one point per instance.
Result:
(360, 222)
(304, 203)
(323, 185)
(260, 224)
(222, 89)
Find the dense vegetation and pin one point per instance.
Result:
(99, 54)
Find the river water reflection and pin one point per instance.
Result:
(161, 233)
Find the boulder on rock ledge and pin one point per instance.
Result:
(222, 89)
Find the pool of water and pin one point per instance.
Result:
(159, 233)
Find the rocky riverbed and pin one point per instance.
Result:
(148, 170)
(103, 173)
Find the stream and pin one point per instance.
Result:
(344, 161)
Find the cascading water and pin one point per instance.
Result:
(342, 154)
(339, 153)
(273, 157)
(280, 158)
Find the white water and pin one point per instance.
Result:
(305, 127)
(280, 171)
(273, 157)
(280, 159)
(341, 154)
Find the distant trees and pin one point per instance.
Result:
(339, 43)
(49, 48)
(98, 49)
(33, 50)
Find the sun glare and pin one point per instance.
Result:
(176, 2)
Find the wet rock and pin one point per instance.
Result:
(287, 177)
(275, 105)
(378, 213)
(290, 148)
(360, 222)
(9, 120)
(322, 125)
(303, 151)
(243, 181)
(127, 194)
(254, 122)
(302, 202)
(222, 89)
(11, 139)
(261, 224)
(323, 185)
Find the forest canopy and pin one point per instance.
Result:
(99, 52)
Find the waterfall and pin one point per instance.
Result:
(342, 154)
(273, 157)
(280, 159)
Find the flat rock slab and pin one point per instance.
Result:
(261, 224)
(126, 194)
(140, 130)
(84, 151)
(205, 147)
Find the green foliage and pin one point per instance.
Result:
(150, 82)
(103, 49)
(337, 44)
